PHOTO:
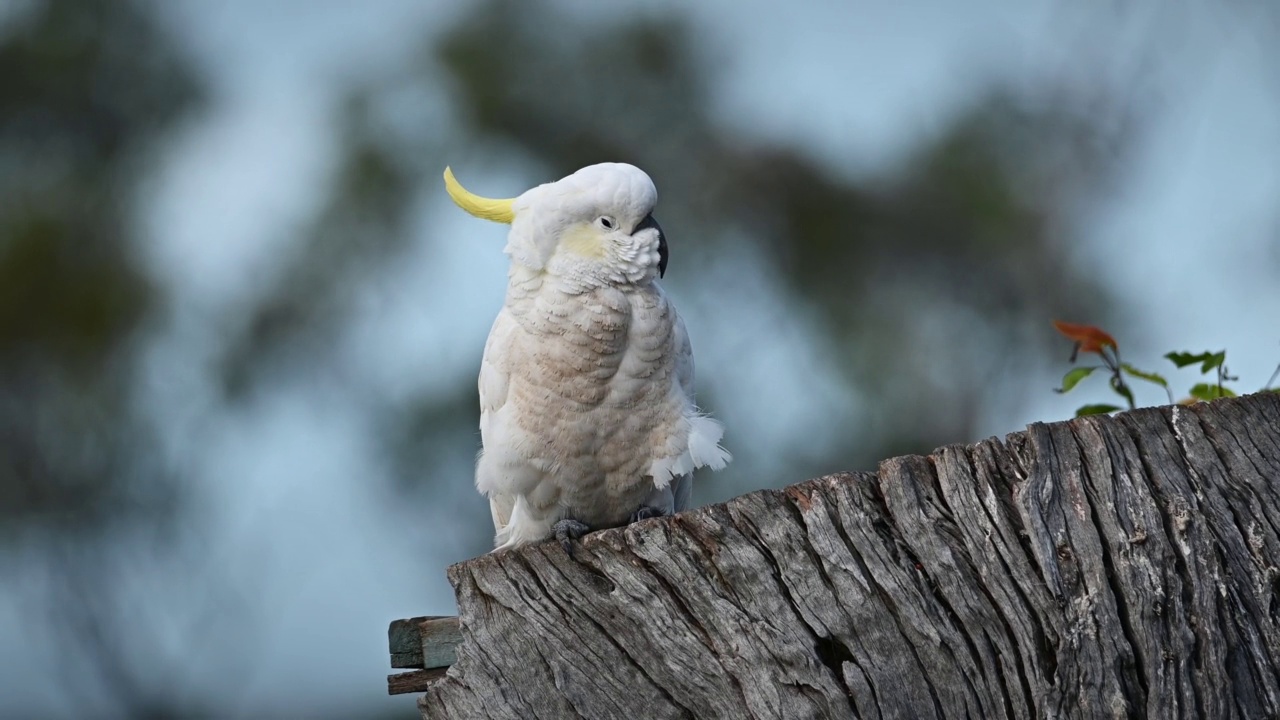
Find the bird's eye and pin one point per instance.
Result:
(607, 223)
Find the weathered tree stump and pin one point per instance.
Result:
(1102, 567)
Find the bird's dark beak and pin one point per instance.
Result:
(649, 222)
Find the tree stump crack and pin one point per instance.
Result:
(895, 616)
(639, 666)
(1103, 489)
(824, 654)
(966, 549)
(1174, 502)
(926, 495)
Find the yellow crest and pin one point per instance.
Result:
(481, 207)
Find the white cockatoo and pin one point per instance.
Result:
(587, 418)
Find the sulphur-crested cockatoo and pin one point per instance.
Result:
(587, 417)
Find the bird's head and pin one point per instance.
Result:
(591, 229)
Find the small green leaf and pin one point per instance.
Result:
(1207, 360)
(1073, 378)
(1204, 391)
(1099, 409)
(1183, 359)
(1143, 375)
(1213, 360)
(1210, 391)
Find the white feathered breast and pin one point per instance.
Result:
(586, 406)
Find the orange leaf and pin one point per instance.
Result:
(1090, 338)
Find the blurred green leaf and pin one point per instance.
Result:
(1144, 375)
(1099, 409)
(1183, 359)
(1073, 378)
(1210, 391)
(1208, 360)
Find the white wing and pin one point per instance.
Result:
(704, 433)
(494, 383)
(684, 358)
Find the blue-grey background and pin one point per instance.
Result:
(240, 321)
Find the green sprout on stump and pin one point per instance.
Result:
(1092, 340)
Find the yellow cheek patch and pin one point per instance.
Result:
(583, 240)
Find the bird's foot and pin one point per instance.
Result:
(645, 512)
(568, 530)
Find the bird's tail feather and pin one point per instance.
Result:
(704, 443)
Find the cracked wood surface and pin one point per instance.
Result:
(1101, 567)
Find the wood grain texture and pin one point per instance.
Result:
(405, 642)
(440, 637)
(1102, 567)
(413, 682)
(425, 643)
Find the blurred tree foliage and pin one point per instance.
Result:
(87, 89)
(930, 284)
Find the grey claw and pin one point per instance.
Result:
(568, 530)
(645, 512)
